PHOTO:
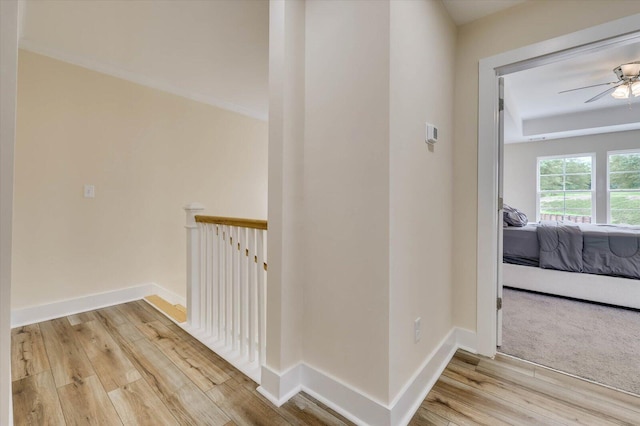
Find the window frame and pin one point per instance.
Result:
(592, 155)
(609, 154)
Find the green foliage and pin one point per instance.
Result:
(624, 162)
(624, 171)
(574, 174)
(577, 165)
(552, 166)
(565, 174)
(625, 206)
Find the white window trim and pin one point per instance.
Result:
(593, 179)
(609, 154)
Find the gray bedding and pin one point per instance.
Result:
(560, 246)
(520, 245)
(611, 250)
(595, 249)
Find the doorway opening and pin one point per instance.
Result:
(619, 35)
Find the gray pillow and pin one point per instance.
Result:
(514, 217)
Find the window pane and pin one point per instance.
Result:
(624, 162)
(578, 212)
(578, 165)
(628, 217)
(575, 206)
(551, 167)
(552, 203)
(577, 182)
(624, 180)
(625, 207)
(551, 183)
(624, 200)
(578, 200)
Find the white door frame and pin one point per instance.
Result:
(598, 37)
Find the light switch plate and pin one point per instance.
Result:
(89, 191)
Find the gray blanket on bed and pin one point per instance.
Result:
(560, 246)
(611, 250)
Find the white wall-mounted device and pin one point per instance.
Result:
(89, 191)
(432, 134)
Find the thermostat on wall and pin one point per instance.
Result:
(432, 133)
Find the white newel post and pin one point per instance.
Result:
(193, 264)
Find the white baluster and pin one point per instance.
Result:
(253, 295)
(193, 263)
(223, 282)
(243, 289)
(229, 285)
(202, 298)
(220, 273)
(262, 317)
(209, 301)
(234, 289)
(214, 279)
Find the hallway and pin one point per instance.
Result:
(129, 364)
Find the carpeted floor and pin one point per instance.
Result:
(596, 342)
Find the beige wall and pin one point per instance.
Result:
(285, 303)
(147, 152)
(520, 162)
(513, 28)
(422, 34)
(346, 193)
(8, 75)
(212, 51)
(356, 233)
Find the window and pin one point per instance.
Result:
(624, 187)
(565, 188)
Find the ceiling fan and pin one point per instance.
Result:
(628, 83)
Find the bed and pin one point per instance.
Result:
(599, 263)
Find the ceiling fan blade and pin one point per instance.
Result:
(586, 87)
(606, 92)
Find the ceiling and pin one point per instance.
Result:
(215, 52)
(465, 11)
(534, 110)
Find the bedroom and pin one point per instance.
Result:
(572, 166)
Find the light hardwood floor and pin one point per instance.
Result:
(129, 364)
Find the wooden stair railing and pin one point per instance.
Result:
(226, 286)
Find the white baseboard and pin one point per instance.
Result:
(408, 400)
(170, 296)
(279, 388)
(352, 403)
(39, 313)
(467, 340)
(233, 357)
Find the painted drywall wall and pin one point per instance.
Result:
(520, 162)
(213, 51)
(285, 301)
(421, 187)
(516, 27)
(346, 193)
(8, 76)
(147, 152)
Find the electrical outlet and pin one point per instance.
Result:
(417, 329)
(89, 191)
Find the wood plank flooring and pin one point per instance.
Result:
(128, 364)
(131, 365)
(506, 391)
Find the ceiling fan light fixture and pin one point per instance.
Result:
(635, 88)
(621, 92)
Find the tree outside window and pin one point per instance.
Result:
(565, 188)
(624, 188)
